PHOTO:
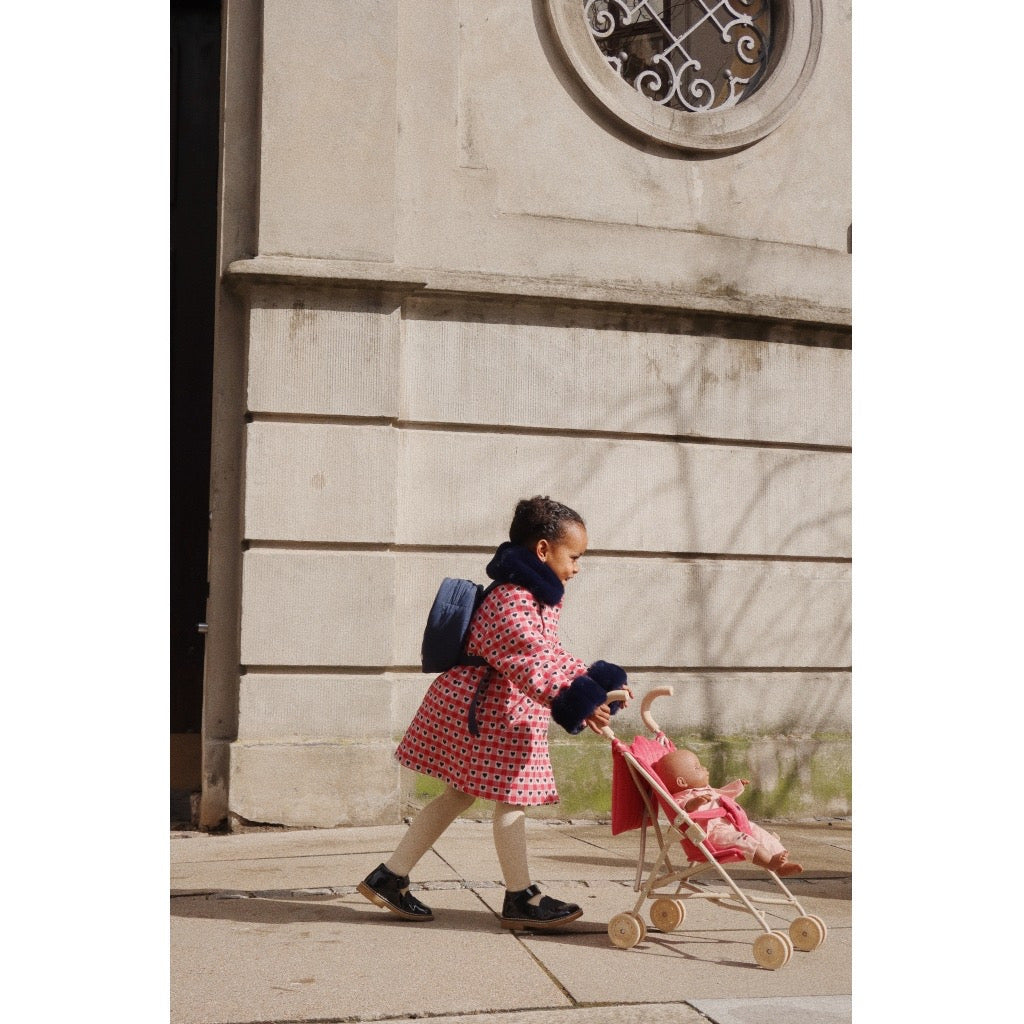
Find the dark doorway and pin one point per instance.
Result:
(194, 125)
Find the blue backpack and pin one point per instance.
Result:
(444, 638)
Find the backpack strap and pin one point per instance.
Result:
(481, 687)
(478, 697)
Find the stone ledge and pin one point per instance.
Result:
(715, 297)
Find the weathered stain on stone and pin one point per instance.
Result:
(791, 778)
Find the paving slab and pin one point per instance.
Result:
(828, 898)
(309, 958)
(268, 927)
(189, 846)
(553, 853)
(307, 871)
(639, 1013)
(785, 1010)
(709, 956)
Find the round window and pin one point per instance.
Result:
(695, 74)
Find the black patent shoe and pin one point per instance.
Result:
(518, 912)
(391, 892)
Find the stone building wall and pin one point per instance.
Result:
(455, 282)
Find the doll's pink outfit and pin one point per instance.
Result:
(726, 823)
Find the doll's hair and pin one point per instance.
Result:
(541, 518)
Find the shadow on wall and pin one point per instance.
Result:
(749, 591)
(799, 766)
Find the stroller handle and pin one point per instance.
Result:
(645, 714)
(610, 697)
(645, 705)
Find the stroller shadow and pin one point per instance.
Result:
(675, 949)
(680, 945)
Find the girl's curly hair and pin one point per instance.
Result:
(541, 518)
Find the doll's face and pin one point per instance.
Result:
(681, 769)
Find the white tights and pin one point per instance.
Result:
(509, 824)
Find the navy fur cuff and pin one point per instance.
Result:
(607, 675)
(611, 677)
(576, 703)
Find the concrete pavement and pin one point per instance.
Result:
(267, 927)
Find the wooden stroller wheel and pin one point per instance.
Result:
(808, 933)
(626, 930)
(773, 950)
(667, 914)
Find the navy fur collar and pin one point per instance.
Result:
(513, 563)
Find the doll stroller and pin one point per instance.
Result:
(637, 797)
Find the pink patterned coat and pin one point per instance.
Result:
(509, 760)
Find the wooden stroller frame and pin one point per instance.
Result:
(772, 949)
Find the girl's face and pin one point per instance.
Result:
(563, 556)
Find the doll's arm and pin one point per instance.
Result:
(691, 800)
(733, 789)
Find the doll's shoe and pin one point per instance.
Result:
(518, 912)
(391, 892)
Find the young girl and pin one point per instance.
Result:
(483, 729)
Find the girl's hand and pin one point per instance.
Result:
(620, 697)
(599, 719)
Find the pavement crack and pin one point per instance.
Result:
(574, 1003)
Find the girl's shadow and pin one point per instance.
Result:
(280, 909)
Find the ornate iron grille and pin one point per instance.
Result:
(694, 55)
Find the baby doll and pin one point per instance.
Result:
(687, 780)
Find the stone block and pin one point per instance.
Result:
(329, 129)
(742, 703)
(353, 608)
(320, 482)
(374, 484)
(324, 355)
(318, 785)
(716, 613)
(671, 613)
(317, 608)
(615, 374)
(345, 706)
(324, 706)
(634, 495)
